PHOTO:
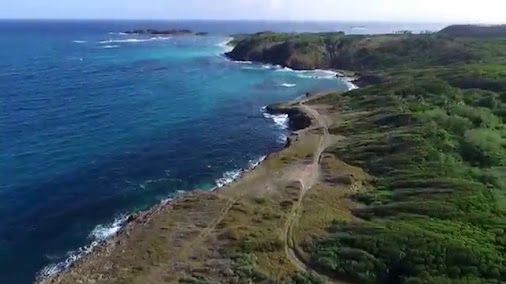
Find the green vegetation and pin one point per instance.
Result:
(363, 53)
(432, 135)
(412, 188)
(435, 140)
(475, 31)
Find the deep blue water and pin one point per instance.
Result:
(95, 125)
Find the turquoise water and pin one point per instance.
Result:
(96, 125)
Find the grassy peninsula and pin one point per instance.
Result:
(400, 181)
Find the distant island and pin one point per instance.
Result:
(400, 181)
(164, 32)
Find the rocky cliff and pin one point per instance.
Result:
(352, 52)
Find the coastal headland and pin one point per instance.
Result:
(400, 181)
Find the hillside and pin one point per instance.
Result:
(436, 211)
(402, 181)
(360, 53)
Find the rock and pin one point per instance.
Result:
(365, 80)
(297, 118)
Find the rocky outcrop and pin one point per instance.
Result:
(297, 119)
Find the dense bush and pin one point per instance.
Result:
(436, 213)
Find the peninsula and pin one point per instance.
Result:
(400, 181)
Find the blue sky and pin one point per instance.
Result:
(483, 11)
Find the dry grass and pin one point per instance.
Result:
(234, 235)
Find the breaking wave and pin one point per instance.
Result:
(109, 46)
(288, 85)
(225, 45)
(99, 234)
(281, 120)
(134, 40)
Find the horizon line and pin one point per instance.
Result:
(254, 20)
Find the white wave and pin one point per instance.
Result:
(281, 120)
(118, 33)
(73, 256)
(134, 40)
(79, 41)
(166, 201)
(99, 234)
(243, 62)
(285, 69)
(225, 45)
(317, 74)
(255, 163)
(229, 177)
(350, 85)
(109, 46)
(288, 85)
(103, 232)
(311, 74)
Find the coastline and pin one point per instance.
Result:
(135, 221)
(298, 119)
(310, 209)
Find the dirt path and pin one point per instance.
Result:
(311, 178)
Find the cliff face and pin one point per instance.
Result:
(337, 51)
(285, 53)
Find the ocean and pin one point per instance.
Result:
(96, 124)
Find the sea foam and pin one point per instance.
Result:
(134, 40)
(225, 45)
(98, 235)
(280, 120)
(234, 175)
(229, 177)
(288, 85)
(109, 46)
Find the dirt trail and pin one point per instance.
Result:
(308, 180)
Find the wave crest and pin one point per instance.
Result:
(99, 234)
(281, 120)
(288, 85)
(134, 40)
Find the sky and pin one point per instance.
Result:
(461, 11)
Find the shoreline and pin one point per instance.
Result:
(128, 221)
(132, 221)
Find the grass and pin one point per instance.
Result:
(435, 213)
(412, 189)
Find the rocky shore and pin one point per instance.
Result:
(103, 259)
